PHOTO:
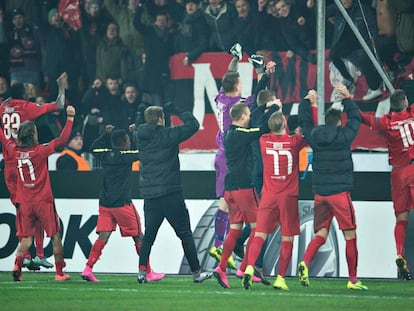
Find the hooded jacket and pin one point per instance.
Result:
(159, 148)
(332, 156)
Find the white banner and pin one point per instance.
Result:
(375, 222)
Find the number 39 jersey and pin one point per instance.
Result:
(280, 154)
(399, 133)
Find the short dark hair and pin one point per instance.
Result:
(229, 81)
(129, 84)
(119, 139)
(397, 101)
(152, 114)
(276, 121)
(333, 116)
(25, 134)
(17, 91)
(113, 76)
(237, 110)
(264, 97)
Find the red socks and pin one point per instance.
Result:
(285, 257)
(96, 252)
(39, 237)
(313, 248)
(400, 230)
(59, 267)
(228, 247)
(351, 251)
(243, 264)
(254, 251)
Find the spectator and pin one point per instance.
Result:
(61, 53)
(124, 16)
(192, 36)
(220, 17)
(173, 9)
(162, 192)
(4, 89)
(112, 55)
(24, 47)
(345, 44)
(115, 204)
(387, 45)
(94, 22)
(332, 180)
(131, 97)
(37, 192)
(297, 29)
(103, 106)
(271, 25)
(70, 159)
(248, 29)
(28, 7)
(158, 43)
(4, 53)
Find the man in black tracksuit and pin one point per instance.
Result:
(160, 184)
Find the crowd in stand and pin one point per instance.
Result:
(117, 54)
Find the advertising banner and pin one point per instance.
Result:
(375, 221)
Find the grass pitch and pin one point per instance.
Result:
(39, 291)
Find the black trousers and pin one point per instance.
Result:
(343, 50)
(171, 207)
(386, 48)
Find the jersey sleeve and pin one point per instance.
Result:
(34, 110)
(372, 121)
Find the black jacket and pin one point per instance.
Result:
(239, 157)
(192, 36)
(117, 164)
(332, 157)
(158, 146)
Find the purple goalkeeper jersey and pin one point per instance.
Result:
(224, 104)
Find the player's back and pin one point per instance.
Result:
(280, 154)
(33, 182)
(15, 111)
(400, 136)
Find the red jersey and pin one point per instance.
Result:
(33, 183)
(399, 133)
(280, 154)
(16, 111)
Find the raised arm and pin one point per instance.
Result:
(183, 132)
(62, 83)
(351, 109)
(103, 143)
(64, 136)
(306, 117)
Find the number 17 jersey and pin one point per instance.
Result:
(280, 154)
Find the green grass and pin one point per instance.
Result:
(39, 291)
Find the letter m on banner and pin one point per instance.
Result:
(196, 87)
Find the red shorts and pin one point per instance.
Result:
(126, 217)
(275, 209)
(402, 188)
(242, 205)
(31, 213)
(338, 205)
